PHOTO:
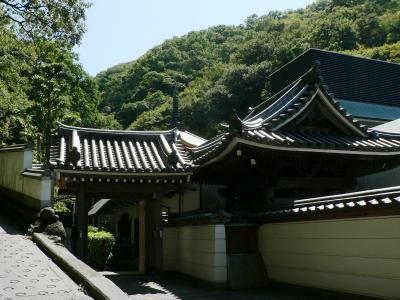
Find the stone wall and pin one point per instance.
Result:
(199, 251)
(359, 256)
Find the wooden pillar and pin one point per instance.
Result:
(82, 224)
(142, 236)
(158, 233)
(154, 233)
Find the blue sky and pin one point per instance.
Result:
(122, 30)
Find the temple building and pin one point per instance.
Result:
(227, 210)
(300, 143)
(369, 89)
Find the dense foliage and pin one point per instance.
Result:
(60, 20)
(216, 70)
(100, 246)
(41, 80)
(226, 67)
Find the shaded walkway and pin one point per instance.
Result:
(178, 286)
(25, 271)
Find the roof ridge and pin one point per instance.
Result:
(115, 131)
(312, 50)
(371, 192)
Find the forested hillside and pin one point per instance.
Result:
(226, 67)
(216, 70)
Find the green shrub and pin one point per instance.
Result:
(92, 228)
(100, 245)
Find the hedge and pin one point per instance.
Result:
(100, 244)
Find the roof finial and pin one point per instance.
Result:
(175, 108)
(235, 124)
(314, 75)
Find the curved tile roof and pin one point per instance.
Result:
(275, 124)
(377, 198)
(120, 151)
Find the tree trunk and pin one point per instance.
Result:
(48, 132)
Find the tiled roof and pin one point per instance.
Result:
(349, 77)
(294, 100)
(120, 151)
(377, 198)
(274, 124)
(371, 111)
(389, 127)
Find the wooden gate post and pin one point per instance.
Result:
(158, 224)
(142, 236)
(154, 233)
(82, 224)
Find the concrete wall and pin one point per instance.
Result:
(199, 251)
(359, 256)
(32, 189)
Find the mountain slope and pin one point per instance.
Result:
(226, 67)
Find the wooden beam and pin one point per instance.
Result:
(315, 182)
(121, 188)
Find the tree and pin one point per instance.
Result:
(370, 31)
(15, 125)
(57, 20)
(274, 48)
(61, 91)
(391, 25)
(41, 80)
(334, 33)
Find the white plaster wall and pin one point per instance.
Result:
(11, 166)
(360, 256)
(199, 251)
(38, 189)
(170, 248)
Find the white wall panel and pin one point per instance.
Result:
(360, 255)
(198, 251)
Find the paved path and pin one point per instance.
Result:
(25, 271)
(177, 286)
